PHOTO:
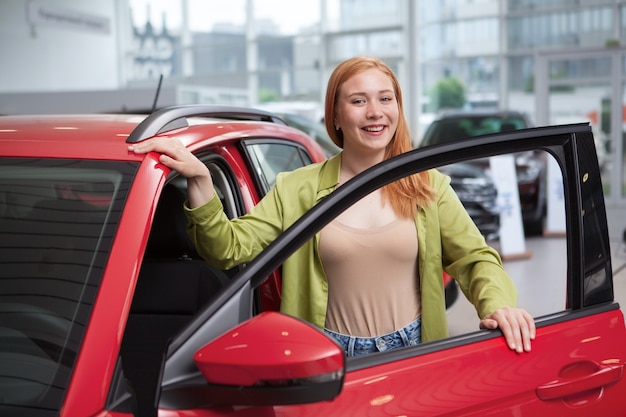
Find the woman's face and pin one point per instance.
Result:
(367, 111)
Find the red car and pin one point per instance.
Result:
(105, 309)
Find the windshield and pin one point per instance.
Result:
(461, 127)
(57, 223)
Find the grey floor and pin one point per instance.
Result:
(540, 280)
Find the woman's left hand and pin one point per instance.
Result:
(516, 324)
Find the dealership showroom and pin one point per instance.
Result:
(551, 62)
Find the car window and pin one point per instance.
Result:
(272, 157)
(495, 200)
(57, 222)
(454, 128)
(496, 205)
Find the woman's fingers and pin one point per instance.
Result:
(516, 324)
(174, 155)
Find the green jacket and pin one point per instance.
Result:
(447, 238)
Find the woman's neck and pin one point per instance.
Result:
(353, 164)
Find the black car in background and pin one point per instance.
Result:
(478, 193)
(530, 166)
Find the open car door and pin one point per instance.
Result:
(231, 360)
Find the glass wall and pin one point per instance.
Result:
(588, 87)
(269, 50)
(280, 52)
(218, 51)
(253, 52)
(543, 5)
(588, 26)
(460, 39)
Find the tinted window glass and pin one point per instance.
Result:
(57, 222)
(270, 158)
(453, 128)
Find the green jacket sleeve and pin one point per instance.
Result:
(226, 243)
(466, 257)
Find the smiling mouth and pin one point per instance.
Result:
(374, 129)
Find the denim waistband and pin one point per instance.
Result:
(409, 335)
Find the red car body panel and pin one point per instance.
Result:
(576, 367)
(97, 358)
(509, 384)
(103, 137)
(106, 328)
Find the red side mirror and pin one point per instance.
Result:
(271, 349)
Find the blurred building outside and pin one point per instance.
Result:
(559, 61)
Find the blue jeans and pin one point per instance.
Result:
(409, 335)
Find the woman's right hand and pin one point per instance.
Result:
(176, 156)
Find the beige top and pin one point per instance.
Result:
(373, 287)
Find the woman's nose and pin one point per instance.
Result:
(374, 112)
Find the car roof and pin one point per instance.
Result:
(105, 136)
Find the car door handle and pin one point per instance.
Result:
(567, 386)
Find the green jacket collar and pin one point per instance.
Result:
(329, 176)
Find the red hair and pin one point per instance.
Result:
(406, 194)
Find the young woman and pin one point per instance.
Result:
(372, 278)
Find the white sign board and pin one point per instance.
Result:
(512, 239)
(555, 213)
(52, 15)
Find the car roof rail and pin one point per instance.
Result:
(175, 117)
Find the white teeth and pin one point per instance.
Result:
(374, 129)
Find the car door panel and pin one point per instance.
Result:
(568, 372)
(576, 364)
